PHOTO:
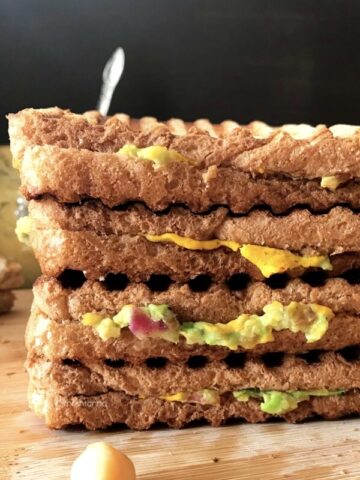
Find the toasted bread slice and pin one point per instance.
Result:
(101, 411)
(233, 165)
(331, 372)
(300, 231)
(76, 341)
(55, 327)
(217, 303)
(98, 254)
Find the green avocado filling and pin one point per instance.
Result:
(275, 402)
(246, 331)
(154, 321)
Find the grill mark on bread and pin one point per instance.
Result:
(313, 356)
(233, 361)
(157, 376)
(217, 304)
(116, 282)
(129, 204)
(352, 276)
(299, 232)
(71, 279)
(159, 283)
(114, 183)
(236, 282)
(258, 164)
(97, 255)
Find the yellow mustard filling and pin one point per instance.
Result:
(273, 260)
(104, 326)
(191, 244)
(206, 396)
(157, 154)
(176, 397)
(23, 229)
(268, 260)
(162, 156)
(246, 331)
(332, 182)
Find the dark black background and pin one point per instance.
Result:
(279, 61)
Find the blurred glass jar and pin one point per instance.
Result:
(10, 202)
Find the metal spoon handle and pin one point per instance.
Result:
(111, 75)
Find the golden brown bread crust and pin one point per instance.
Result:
(55, 145)
(115, 180)
(304, 152)
(332, 372)
(101, 411)
(68, 339)
(98, 254)
(299, 231)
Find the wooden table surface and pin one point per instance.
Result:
(29, 450)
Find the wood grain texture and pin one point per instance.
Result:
(29, 451)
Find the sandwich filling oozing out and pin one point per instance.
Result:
(157, 154)
(273, 402)
(268, 260)
(155, 255)
(246, 331)
(162, 156)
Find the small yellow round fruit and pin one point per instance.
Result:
(101, 461)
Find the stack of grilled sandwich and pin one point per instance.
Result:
(189, 270)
